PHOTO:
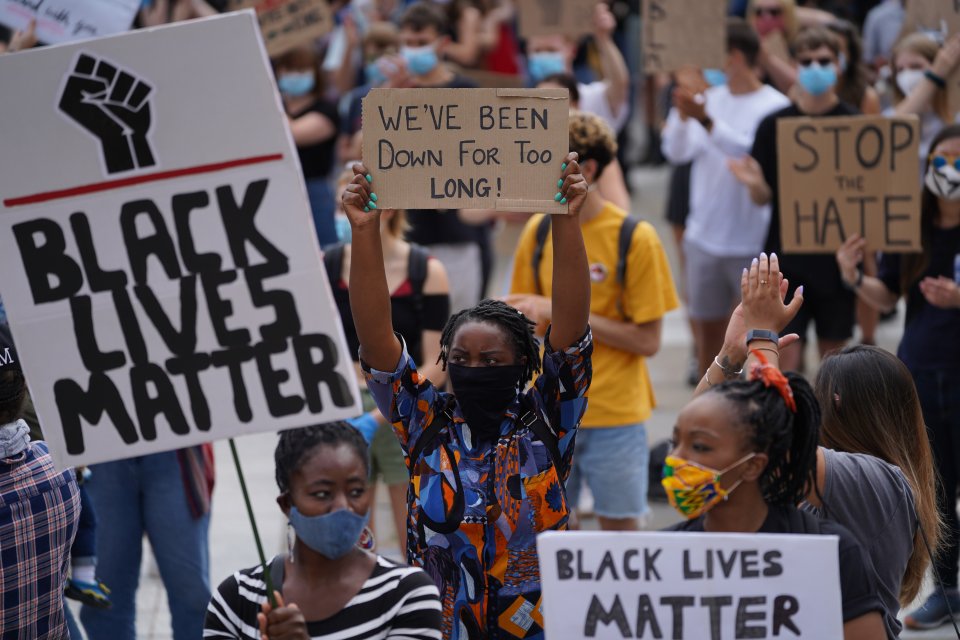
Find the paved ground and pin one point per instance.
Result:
(231, 541)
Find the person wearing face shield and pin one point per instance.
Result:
(930, 347)
(830, 305)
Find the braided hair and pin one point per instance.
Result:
(518, 327)
(296, 444)
(789, 439)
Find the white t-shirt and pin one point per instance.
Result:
(593, 99)
(723, 221)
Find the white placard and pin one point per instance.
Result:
(690, 585)
(66, 20)
(162, 275)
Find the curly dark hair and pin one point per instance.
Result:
(296, 444)
(789, 439)
(518, 327)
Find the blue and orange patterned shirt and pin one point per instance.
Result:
(475, 508)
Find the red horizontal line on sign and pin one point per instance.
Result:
(109, 185)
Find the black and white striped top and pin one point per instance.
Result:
(396, 602)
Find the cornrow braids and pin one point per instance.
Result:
(789, 439)
(295, 445)
(518, 327)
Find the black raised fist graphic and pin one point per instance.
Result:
(113, 106)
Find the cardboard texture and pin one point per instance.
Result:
(683, 32)
(163, 282)
(849, 175)
(66, 20)
(493, 80)
(650, 585)
(940, 18)
(466, 148)
(287, 24)
(572, 18)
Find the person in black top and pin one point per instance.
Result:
(829, 304)
(314, 123)
(930, 347)
(465, 250)
(744, 455)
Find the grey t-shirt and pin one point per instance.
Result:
(874, 501)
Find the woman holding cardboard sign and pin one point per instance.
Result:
(931, 341)
(744, 452)
(487, 463)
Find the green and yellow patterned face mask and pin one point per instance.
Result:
(693, 489)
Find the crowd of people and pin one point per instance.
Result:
(489, 413)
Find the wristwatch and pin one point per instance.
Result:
(762, 334)
(855, 285)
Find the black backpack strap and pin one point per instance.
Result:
(530, 417)
(623, 255)
(441, 418)
(333, 263)
(543, 228)
(417, 275)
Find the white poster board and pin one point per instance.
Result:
(65, 20)
(163, 279)
(690, 585)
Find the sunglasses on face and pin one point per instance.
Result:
(773, 12)
(823, 62)
(941, 160)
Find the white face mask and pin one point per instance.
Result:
(908, 79)
(943, 182)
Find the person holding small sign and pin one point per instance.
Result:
(930, 347)
(744, 453)
(487, 463)
(829, 304)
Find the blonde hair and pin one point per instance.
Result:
(790, 24)
(922, 45)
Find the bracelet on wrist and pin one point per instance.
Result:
(935, 79)
(727, 372)
(856, 284)
(763, 334)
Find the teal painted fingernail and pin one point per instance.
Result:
(559, 183)
(371, 205)
(558, 196)
(374, 197)
(366, 209)
(369, 177)
(563, 167)
(563, 201)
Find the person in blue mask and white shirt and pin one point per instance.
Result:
(329, 584)
(828, 302)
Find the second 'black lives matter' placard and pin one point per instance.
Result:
(162, 275)
(466, 148)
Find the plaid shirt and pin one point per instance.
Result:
(39, 510)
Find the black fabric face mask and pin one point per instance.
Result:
(484, 393)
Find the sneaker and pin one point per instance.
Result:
(934, 611)
(91, 594)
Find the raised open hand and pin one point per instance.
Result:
(113, 106)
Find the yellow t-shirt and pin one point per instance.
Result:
(621, 392)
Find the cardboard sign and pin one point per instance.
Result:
(65, 20)
(940, 19)
(849, 175)
(572, 18)
(493, 80)
(287, 24)
(163, 279)
(466, 148)
(684, 32)
(686, 585)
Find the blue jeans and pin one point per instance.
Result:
(323, 207)
(85, 544)
(146, 495)
(613, 461)
(939, 393)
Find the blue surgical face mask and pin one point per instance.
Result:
(715, 77)
(333, 534)
(817, 80)
(296, 84)
(420, 60)
(373, 73)
(546, 63)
